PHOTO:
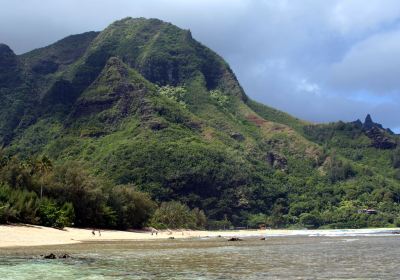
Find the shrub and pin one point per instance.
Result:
(174, 215)
(339, 170)
(397, 222)
(309, 220)
(52, 215)
(219, 97)
(396, 158)
(255, 220)
(132, 209)
(176, 94)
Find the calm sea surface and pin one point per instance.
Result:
(357, 257)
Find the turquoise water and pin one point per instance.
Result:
(356, 257)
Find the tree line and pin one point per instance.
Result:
(36, 191)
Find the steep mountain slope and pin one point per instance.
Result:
(143, 103)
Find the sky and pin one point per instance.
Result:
(319, 60)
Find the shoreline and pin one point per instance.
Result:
(31, 235)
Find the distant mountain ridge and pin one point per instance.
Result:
(143, 103)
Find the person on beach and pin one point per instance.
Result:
(154, 231)
(93, 233)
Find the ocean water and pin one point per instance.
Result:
(294, 257)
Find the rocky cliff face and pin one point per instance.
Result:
(378, 135)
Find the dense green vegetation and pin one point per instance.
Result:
(33, 192)
(141, 125)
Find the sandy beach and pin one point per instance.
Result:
(30, 235)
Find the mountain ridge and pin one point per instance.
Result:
(143, 103)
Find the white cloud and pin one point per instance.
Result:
(306, 86)
(355, 16)
(370, 65)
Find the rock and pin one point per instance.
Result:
(277, 161)
(64, 256)
(368, 123)
(358, 123)
(50, 256)
(235, 239)
(171, 237)
(262, 238)
(237, 136)
(193, 125)
(379, 139)
(157, 125)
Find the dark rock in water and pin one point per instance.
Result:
(64, 256)
(50, 256)
(171, 237)
(235, 239)
(262, 238)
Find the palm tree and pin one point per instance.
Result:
(43, 166)
(3, 158)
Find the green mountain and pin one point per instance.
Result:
(144, 105)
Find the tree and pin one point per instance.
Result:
(42, 166)
(174, 214)
(132, 208)
(396, 158)
(255, 220)
(3, 158)
(309, 220)
(52, 215)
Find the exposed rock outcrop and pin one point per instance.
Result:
(277, 161)
(379, 136)
(237, 136)
(379, 139)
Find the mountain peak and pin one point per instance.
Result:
(162, 53)
(369, 123)
(5, 49)
(368, 119)
(7, 56)
(8, 66)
